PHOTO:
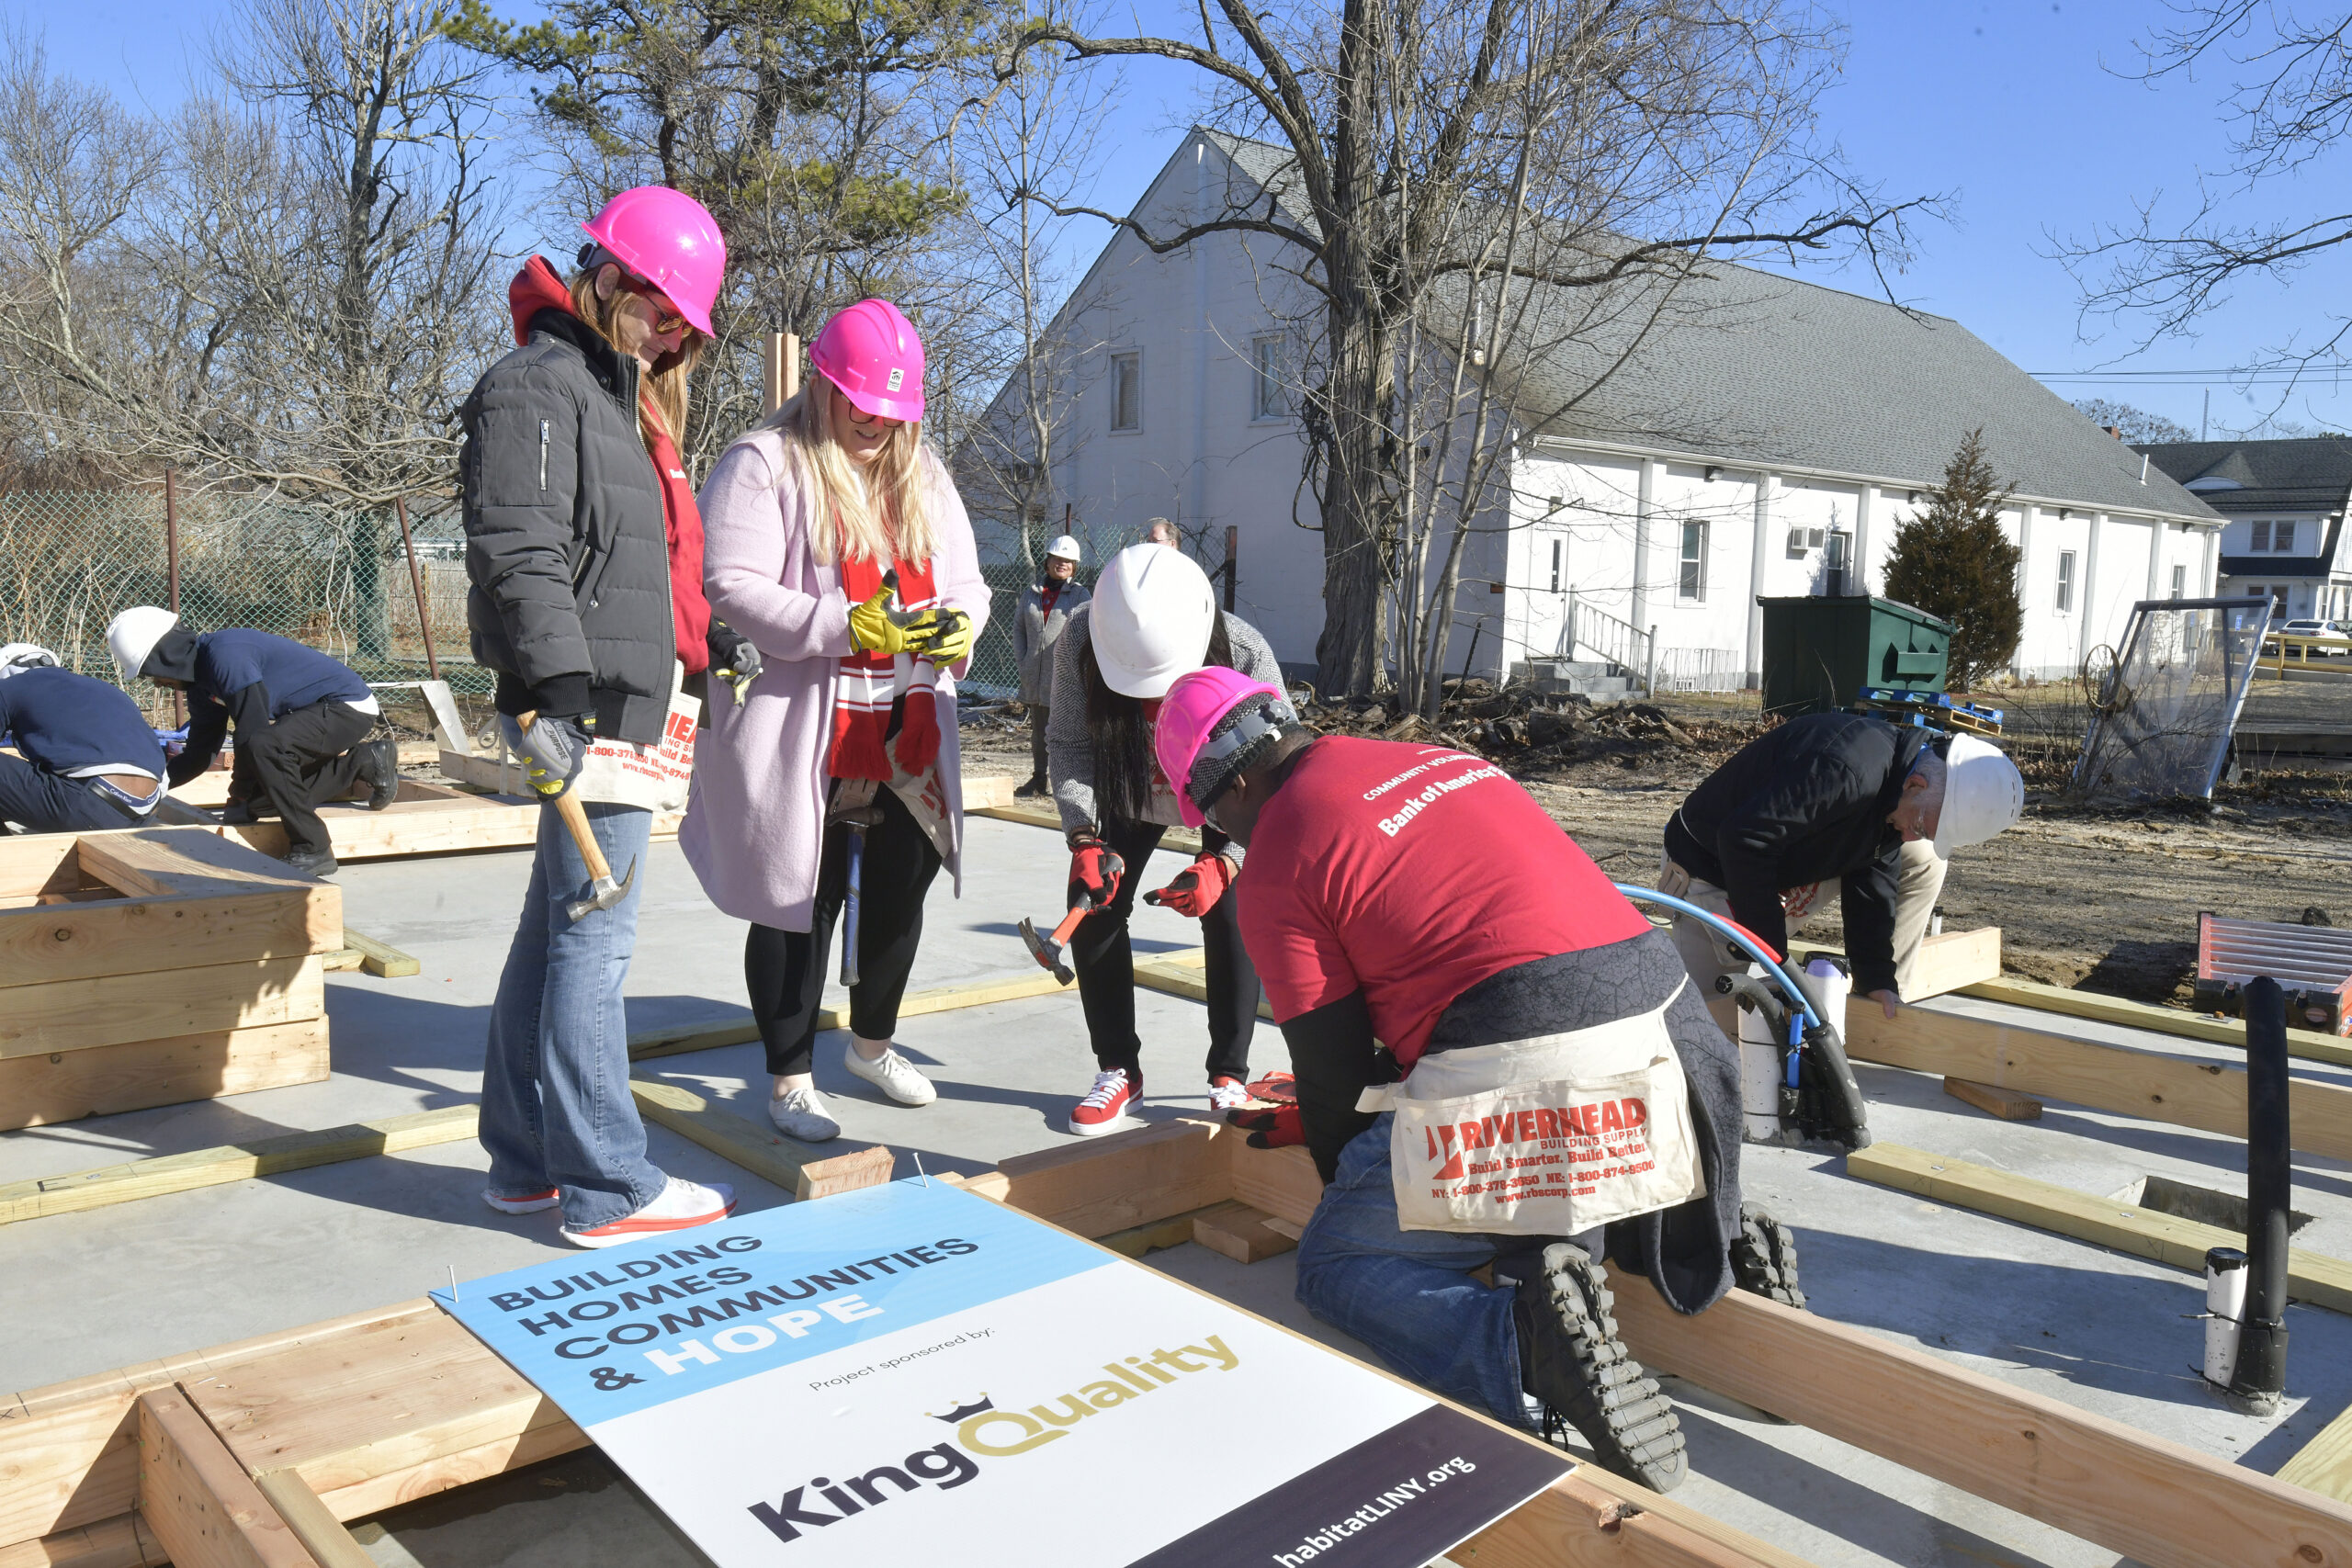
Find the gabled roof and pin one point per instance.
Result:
(2304, 474)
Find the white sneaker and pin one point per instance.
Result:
(800, 1113)
(529, 1205)
(892, 1074)
(682, 1205)
(1231, 1094)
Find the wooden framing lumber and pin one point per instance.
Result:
(319, 1532)
(380, 958)
(2144, 1233)
(2325, 1464)
(1948, 961)
(1126, 1179)
(2005, 1103)
(204, 1508)
(124, 1183)
(2185, 1092)
(66, 1086)
(1240, 1233)
(2308, 1044)
(1183, 841)
(798, 1168)
(105, 1010)
(123, 1541)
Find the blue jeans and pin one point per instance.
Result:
(556, 1109)
(1408, 1294)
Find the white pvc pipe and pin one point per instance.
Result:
(2225, 1305)
(1759, 1074)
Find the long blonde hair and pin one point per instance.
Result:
(899, 526)
(665, 385)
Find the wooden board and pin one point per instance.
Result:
(2308, 1043)
(2208, 1095)
(1240, 1233)
(66, 1086)
(2144, 1233)
(2161, 1503)
(2005, 1103)
(380, 958)
(161, 862)
(39, 862)
(318, 1530)
(1129, 1179)
(2325, 1464)
(1947, 961)
(231, 1162)
(123, 1541)
(131, 936)
(205, 1510)
(1178, 978)
(73, 1015)
(1042, 814)
(802, 1170)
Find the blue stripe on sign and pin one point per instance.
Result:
(607, 1332)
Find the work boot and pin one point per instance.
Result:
(1034, 788)
(379, 768)
(1571, 1360)
(313, 863)
(1764, 1257)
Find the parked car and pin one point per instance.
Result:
(2311, 627)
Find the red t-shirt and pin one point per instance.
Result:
(1411, 873)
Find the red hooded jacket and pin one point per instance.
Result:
(537, 287)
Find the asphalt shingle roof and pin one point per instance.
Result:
(2304, 474)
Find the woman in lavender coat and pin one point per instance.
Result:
(849, 726)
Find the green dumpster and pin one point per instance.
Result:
(1819, 652)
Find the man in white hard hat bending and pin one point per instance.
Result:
(1045, 608)
(1832, 804)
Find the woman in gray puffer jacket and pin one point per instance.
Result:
(1153, 617)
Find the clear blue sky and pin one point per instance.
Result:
(2015, 110)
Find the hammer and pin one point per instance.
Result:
(605, 891)
(1053, 952)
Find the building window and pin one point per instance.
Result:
(2065, 581)
(1693, 583)
(2279, 597)
(1558, 549)
(1126, 391)
(1269, 392)
(2261, 541)
(2180, 582)
(2282, 538)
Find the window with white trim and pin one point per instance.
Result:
(2180, 582)
(2065, 581)
(2260, 543)
(2282, 537)
(1269, 370)
(1690, 584)
(1126, 391)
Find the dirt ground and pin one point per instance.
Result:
(2102, 899)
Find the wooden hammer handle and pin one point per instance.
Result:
(568, 806)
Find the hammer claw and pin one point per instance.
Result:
(603, 895)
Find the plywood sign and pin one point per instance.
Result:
(912, 1374)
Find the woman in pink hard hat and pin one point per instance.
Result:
(838, 544)
(584, 550)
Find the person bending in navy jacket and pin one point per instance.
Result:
(302, 718)
(86, 758)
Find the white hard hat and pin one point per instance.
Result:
(1152, 611)
(133, 636)
(1983, 793)
(1064, 547)
(16, 658)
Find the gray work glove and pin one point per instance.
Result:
(553, 751)
(735, 660)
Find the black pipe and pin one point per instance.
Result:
(2261, 1375)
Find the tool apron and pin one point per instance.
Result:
(1550, 1136)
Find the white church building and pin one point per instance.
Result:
(1772, 451)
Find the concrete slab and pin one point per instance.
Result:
(129, 1283)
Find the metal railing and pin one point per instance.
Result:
(1633, 650)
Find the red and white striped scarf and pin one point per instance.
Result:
(871, 683)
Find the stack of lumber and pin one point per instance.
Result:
(154, 965)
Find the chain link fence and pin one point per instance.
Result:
(336, 579)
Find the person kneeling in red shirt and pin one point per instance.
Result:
(1498, 1060)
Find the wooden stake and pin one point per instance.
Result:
(2005, 1103)
(416, 581)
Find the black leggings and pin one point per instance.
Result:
(1107, 965)
(786, 970)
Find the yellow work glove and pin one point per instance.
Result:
(941, 636)
(870, 630)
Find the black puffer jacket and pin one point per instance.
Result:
(1801, 805)
(564, 539)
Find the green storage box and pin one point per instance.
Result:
(1820, 653)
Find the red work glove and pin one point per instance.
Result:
(1197, 891)
(1093, 872)
(1275, 1129)
(917, 747)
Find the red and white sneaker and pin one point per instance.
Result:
(682, 1205)
(1232, 1094)
(1104, 1109)
(529, 1203)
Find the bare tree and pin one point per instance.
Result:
(1488, 149)
(2289, 101)
(2136, 424)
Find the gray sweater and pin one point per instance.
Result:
(1070, 750)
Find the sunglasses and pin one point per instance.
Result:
(666, 317)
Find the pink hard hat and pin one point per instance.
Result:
(1195, 704)
(870, 351)
(670, 240)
